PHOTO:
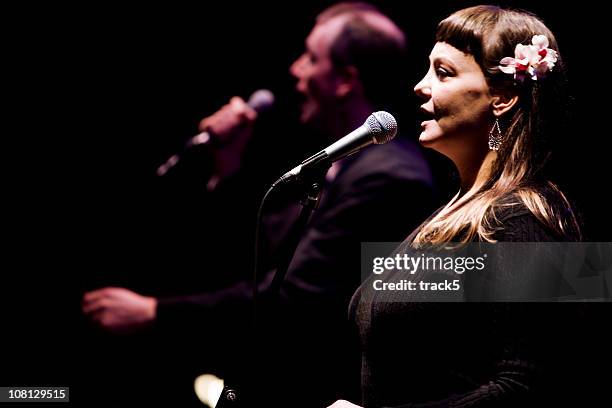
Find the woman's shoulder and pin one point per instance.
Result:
(514, 221)
(509, 207)
(521, 225)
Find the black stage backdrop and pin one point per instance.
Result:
(100, 93)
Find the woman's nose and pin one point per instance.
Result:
(422, 89)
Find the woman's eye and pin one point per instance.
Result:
(442, 73)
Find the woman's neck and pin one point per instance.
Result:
(474, 172)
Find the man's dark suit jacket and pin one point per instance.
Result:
(379, 194)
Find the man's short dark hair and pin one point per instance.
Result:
(378, 54)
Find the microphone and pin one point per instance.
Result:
(380, 127)
(261, 101)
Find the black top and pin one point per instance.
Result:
(420, 354)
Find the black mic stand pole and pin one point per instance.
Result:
(310, 201)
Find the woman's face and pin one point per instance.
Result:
(458, 102)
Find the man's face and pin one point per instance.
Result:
(317, 77)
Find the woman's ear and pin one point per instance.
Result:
(503, 102)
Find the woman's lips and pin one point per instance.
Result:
(425, 122)
(426, 116)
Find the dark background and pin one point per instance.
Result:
(99, 94)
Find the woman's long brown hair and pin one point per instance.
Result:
(490, 33)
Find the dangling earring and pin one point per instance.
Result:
(495, 136)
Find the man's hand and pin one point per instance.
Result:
(231, 123)
(119, 310)
(231, 128)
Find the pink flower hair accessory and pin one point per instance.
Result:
(534, 60)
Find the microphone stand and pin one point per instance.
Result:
(310, 202)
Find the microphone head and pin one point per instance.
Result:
(382, 126)
(261, 100)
